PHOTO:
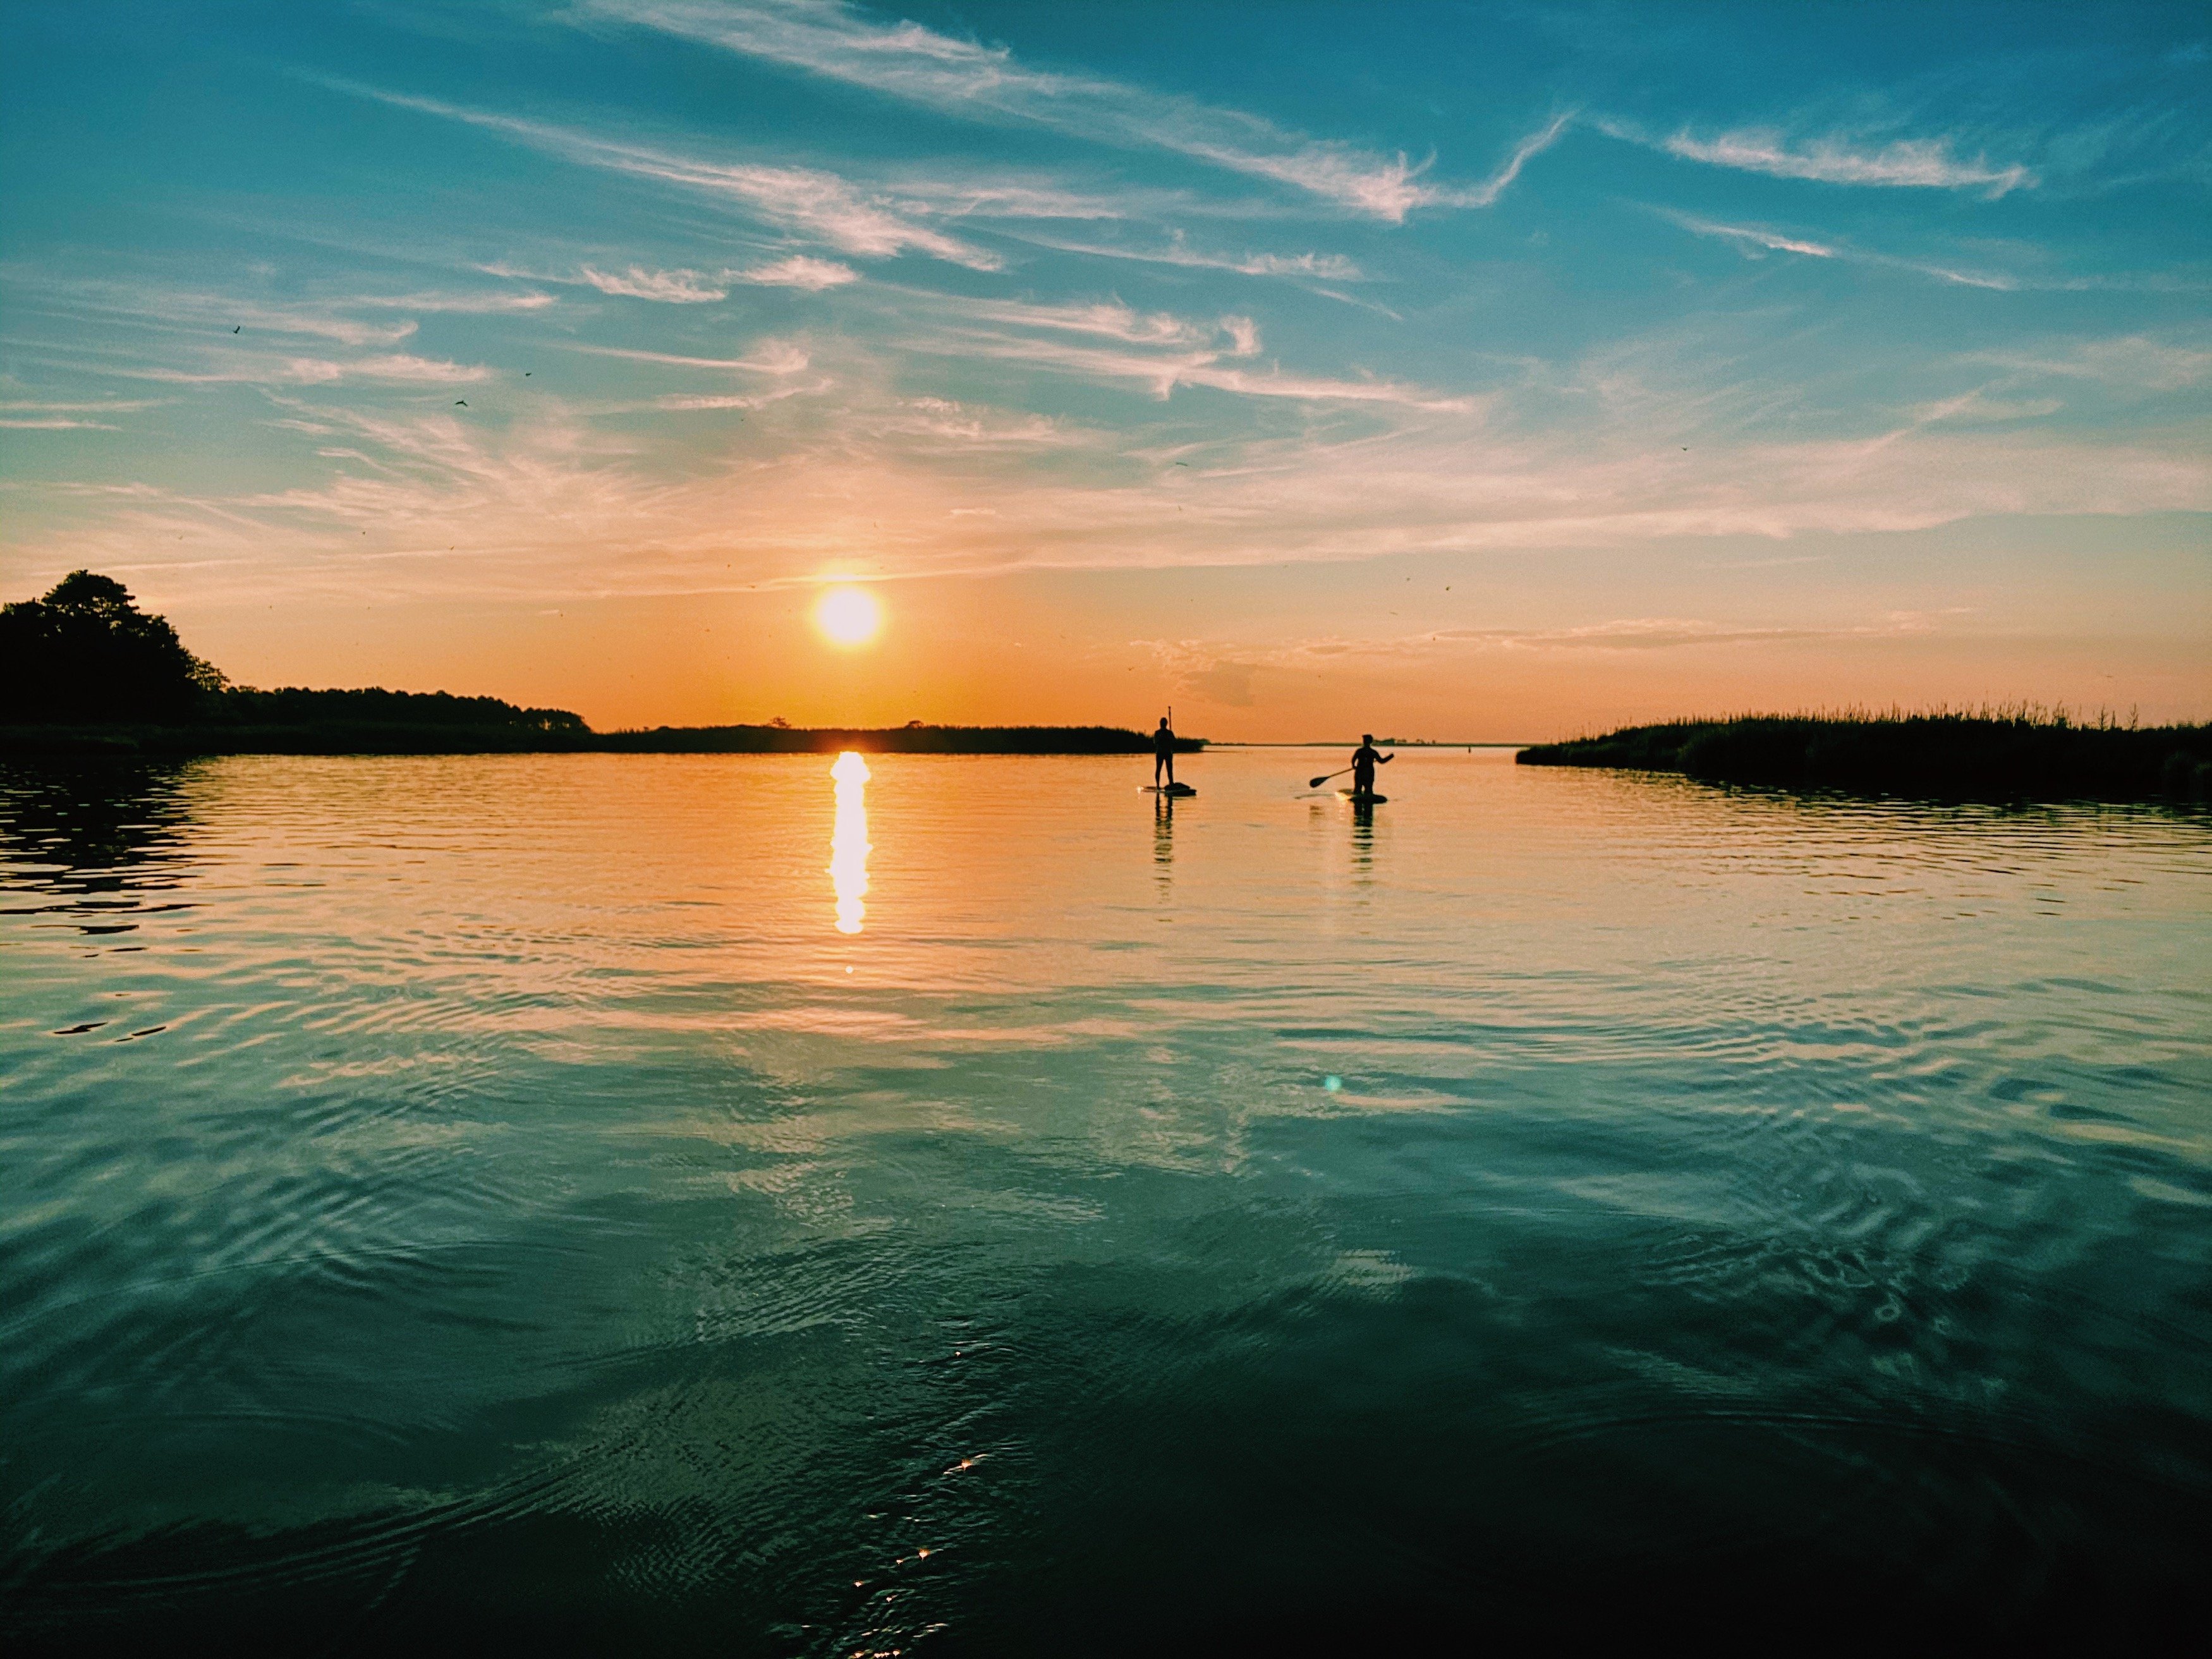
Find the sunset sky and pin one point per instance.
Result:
(1466, 371)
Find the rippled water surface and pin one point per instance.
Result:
(698, 1203)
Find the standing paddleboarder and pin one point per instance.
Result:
(1364, 760)
(1164, 750)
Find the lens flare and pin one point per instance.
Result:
(848, 842)
(849, 615)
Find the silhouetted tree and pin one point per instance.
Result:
(86, 655)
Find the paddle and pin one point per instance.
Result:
(1316, 783)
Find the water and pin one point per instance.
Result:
(697, 1202)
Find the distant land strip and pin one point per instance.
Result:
(2001, 756)
(523, 736)
(85, 673)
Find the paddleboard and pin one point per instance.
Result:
(1358, 798)
(1178, 790)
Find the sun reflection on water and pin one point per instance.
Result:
(848, 842)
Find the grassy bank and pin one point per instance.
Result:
(531, 736)
(2001, 756)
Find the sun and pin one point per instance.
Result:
(849, 615)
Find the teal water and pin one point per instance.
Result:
(687, 1203)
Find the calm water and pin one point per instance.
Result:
(698, 1202)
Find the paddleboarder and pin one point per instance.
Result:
(1364, 760)
(1164, 752)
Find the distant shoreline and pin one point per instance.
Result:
(1999, 757)
(365, 737)
(1352, 742)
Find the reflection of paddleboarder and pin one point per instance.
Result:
(1164, 752)
(1364, 760)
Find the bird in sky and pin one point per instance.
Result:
(460, 402)
(235, 330)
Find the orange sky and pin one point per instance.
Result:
(1450, 380)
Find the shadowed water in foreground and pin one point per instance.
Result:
(536, 1195)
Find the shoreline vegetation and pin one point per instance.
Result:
(1989, 755)
(430, 734)
(84, 673)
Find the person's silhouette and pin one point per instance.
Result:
(1364, 760)
(1164, 753)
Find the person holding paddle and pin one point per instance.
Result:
(1164, 752)
(1364, 760)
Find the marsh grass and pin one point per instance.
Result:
(2007, 752)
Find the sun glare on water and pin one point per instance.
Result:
(849, 615)
(848, 842)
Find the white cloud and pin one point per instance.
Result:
(962, 77)
(346, 331)
(1322, 267)
(2132, 362)
(942, 419)
(1163, 372)
(106, 406)
(681, 287)
(1976, 406)
(1163, 351)
(803, 200)
(1111, 319)
(773, 357)
(426, 370)
(1633, 634)
(798, 271)
(477, 303)
(553, 509)
(1754, 241)
(1750, 236)
(1906, 163)
(1484, 195)
(252, 369)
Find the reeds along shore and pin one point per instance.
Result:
(2002, 755)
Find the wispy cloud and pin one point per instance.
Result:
(1162, 372)
(681, 287)
(1113, 320)
(478, 304)
(1631, 634)
(798, 271)
(1319, 267)
(804, 201)
(944, 420)
(1157, 349)
(772, 357)
(1755, 240)
(1979, 406)
(251, 369)
(963, 77)
(1903, 163)
(106, 406)
(426, 370)
(1486, 193)
(2131, 362)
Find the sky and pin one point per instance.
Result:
(1494, 372)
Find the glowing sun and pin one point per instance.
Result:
(849, 615)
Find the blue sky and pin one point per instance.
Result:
(1490, 370)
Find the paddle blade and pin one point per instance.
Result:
(1316, 783)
